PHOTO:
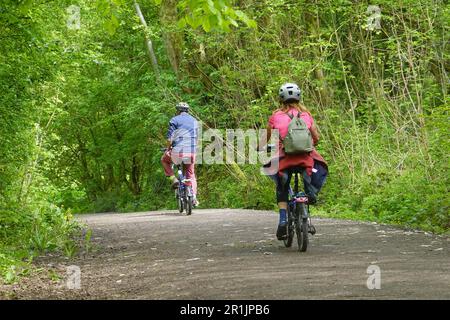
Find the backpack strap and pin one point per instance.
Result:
(289, 115)
(292, 116)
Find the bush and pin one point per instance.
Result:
(25, 236)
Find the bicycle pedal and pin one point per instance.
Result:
(312, 230)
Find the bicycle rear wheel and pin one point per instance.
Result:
(302, 228)
(290, 236)
(180, 202)
(189, 201)
(290, 231)
(302, 235)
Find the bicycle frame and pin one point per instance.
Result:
(299, 221)
(184, 192)
(183, 182)
(296, 197)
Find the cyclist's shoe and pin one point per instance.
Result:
(195, 202)
(312, 199)
(174, 181)
(311, 229)
(282, 231)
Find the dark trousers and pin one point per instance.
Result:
(283, 180)
(312, 184)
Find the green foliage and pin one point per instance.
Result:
(209, 14)
(48, 228)
(212, 15)
(87, 241)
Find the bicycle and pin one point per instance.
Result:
(298, 216)
(183, 193)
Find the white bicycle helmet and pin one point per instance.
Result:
(182, 106)
(289, 91)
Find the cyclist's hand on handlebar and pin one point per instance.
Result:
(268, 148)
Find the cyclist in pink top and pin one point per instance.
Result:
(290, 105)
(280, 120)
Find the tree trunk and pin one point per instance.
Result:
(173, 40)
(324, 92)
(133, 184)
(148, 42)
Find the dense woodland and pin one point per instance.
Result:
(84, 108)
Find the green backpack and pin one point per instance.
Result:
(298, 139)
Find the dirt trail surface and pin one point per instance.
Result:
(233, 254)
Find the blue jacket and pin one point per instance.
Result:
(183, 132)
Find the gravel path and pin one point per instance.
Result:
(233, 254)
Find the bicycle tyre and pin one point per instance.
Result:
(180, 203)
(304, 236)
(290, 225)
(302, 229)
(189, 205)
(290, 236)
